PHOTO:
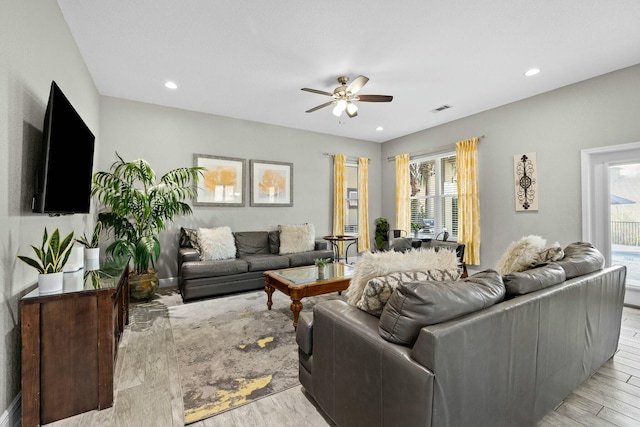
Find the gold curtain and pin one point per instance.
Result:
(363, 204)
(403, 193)
(339, 169)
(468, 199)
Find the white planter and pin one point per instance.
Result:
(91, 253)
(73, 281)
(91, 264)
(50, 283)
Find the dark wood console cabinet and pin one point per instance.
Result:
(69, 344)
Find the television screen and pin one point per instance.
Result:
(64, 178)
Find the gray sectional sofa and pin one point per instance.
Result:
(489, 350)
(257, 252)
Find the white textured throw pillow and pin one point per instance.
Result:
(374, 264)
(297, 238)
(521, 255)
(216, 243)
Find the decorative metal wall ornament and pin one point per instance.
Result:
(525, 171)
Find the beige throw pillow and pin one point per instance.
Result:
(296, 238)
(521, 255)
(216, 243)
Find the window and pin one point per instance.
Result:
(434, 195)
(351, 195)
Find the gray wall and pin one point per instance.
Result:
(36, 47)
(167, 138)
(556, 125)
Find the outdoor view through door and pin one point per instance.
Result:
(351, 204)
(624, 190)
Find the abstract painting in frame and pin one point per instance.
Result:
(222, 181)
(525, 170)
(271, 183)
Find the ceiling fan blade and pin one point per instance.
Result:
(375, 98)
(357, 84)
(326, 104)
(321, 92)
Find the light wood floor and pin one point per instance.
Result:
(147, 387)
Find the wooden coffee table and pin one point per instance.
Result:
(300, 282)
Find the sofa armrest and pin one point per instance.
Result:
(188, 255)
(321, 245)
(361, 379)
(304, 333)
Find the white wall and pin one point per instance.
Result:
(168, 138)
(556, 125)
(36, 47)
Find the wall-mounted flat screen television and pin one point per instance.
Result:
(63, 181)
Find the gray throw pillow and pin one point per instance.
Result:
(534, 279)
(415, 305)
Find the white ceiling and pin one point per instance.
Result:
(249, 59)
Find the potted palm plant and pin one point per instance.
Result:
(321, 263)
(52, 255)
(138, 208)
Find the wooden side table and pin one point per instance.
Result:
(69, 343)
(336, 249)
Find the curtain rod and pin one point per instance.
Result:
(347, 157)
(439, 149)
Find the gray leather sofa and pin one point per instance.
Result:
(505, 365)
(256, 252)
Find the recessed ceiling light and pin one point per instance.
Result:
(379, 128)
(171, 85)
(532, 72)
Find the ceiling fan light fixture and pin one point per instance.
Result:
(351, 108)
(340, 107)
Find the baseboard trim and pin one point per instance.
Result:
(12, 416)
(166, 283)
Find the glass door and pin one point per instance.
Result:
(624, 205)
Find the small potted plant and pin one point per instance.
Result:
(91, 249)
(51, 258)
(416, 228)
(321, 263)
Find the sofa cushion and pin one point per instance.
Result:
(521, 255)
(375, 264)
(251, 242)
(534, 279)
(274, 242)
(378, 290)
(306, 258)
(581, 258)
(263, 262)
(200, 269)
(216, 243)
(415, 305)
(296, 238)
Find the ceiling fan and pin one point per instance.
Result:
(344, 96)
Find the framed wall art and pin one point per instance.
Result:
(525, 171)
(222, 182)
(271, 183)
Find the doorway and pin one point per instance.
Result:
(611, 208)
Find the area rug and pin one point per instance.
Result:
(232, 350)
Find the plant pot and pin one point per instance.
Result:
(321, 272)
(91, 253)
(143, 286)
(51, 283)
(73, 281)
